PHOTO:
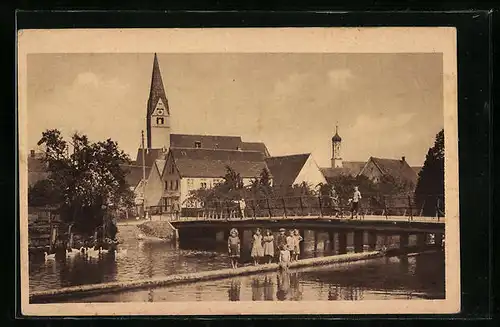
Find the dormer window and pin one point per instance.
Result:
(197, 145)
(160, 121)
(216, 146)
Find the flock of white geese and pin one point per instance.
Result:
(86, 252)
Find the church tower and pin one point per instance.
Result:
(336, 146)
(158, 112)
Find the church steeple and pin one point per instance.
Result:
(158, 111)
(336, 147)
(336, 137)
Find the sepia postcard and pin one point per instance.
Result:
(228, 171)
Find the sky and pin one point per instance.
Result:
(386, 105)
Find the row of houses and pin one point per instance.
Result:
(176, 164)
(174, 173)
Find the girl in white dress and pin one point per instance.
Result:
(257, 249)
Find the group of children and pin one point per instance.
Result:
(263, 246)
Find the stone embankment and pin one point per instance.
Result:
(158, 229)
(85, 290)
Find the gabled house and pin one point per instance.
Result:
(375, 168)
(294, 170)
(188, 169)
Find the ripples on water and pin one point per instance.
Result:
(143, 260)
(413, 277)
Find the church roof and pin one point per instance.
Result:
(255, 146)
(285, 169)
(211, 142)
(207, 141)
(211, 163)
(157, 89)
(336, 137)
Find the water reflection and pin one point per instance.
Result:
(375, 279)
(234, 290)
(420, 276)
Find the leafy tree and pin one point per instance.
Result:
(429, 193)
(230, 189)
(88, 181)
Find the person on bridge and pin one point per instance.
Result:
(234, 247)
(257, 249)
(355, 202)
(335, 203)
(176, 208)
(268, 245)
(243, 206)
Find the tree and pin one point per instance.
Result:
(429, 193)
(88, 181)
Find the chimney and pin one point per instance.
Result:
(32, 153)
(403, 158)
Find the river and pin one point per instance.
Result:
(405, 277)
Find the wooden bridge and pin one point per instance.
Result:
(318, 212)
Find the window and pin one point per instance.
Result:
(203, 185)
(176, 185)
(166, 185)
(216, 146)
(190, 183)
(197, 144)
(171, 185)
(172, 169)
(159, 121)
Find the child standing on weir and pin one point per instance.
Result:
(290, 243)
(268, 246)
(257, 249)
(234, 247)
(296, 244)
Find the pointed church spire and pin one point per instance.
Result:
(157, 91)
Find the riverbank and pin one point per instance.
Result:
(93, 289)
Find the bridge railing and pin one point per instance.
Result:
(304, 206)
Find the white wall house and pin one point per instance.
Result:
(188, 169)
(295, 169)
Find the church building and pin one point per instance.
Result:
(178, 163)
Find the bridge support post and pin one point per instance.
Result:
(342, 242)
(421, 239)
(438, 239)
(315, 241)
(331, 238)
(404, 240)
(358, 241)
(372, 240)
(220, 236)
